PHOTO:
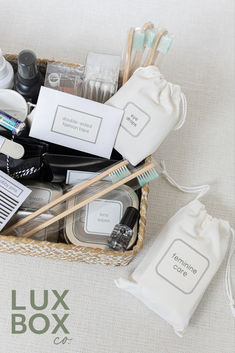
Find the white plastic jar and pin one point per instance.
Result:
(6, 73)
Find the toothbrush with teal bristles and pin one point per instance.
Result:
(153, 53)
(149, 40)
(138, 45)
(162, 48)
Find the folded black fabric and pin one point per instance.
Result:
(56, 165)
(28, 167)
(50, 162)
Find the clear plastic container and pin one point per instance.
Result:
(42, 194)
(65, 78)
(101, 76)
(92, 225)
(50, 233)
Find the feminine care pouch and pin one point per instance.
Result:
(152, 108)
(180, 265)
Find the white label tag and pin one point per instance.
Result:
(12, 195)
(75, 176)
(102, 215)
(182, 266)
(134, 120)
(74, 123)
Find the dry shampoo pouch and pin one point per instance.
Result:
(153, 107)
(177, 270)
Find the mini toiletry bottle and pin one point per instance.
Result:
(28, 78)
(6, 73)
(122, 232)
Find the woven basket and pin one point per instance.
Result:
(61, 251)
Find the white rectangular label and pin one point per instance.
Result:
(74, 123)
(12, 195)
(134, 120)
(102, 215)
(182, 266)
(75, 176)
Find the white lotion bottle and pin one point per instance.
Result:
(6, 73)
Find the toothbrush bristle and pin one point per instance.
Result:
(150, 37)
(165, 44)
(148, 176)
(138, 41)
(119, 174)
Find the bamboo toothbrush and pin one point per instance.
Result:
(163, 48)
(128, 56)
(116, 172)
(149, 40)
(144, 175)
(152, 55)
(138, 44)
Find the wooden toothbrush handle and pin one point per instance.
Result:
(138, 55)
(128, 56)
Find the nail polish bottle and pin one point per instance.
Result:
(122, 232)
(28, 79)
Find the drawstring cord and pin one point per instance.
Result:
(201, 190)
(184, 112)
(228, 279)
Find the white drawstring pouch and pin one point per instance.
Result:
(152, 108)
(185, 256)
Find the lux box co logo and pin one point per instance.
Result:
(20, 323)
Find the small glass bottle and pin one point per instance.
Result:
(122, 232)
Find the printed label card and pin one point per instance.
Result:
(12, 195)
(75, 122)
